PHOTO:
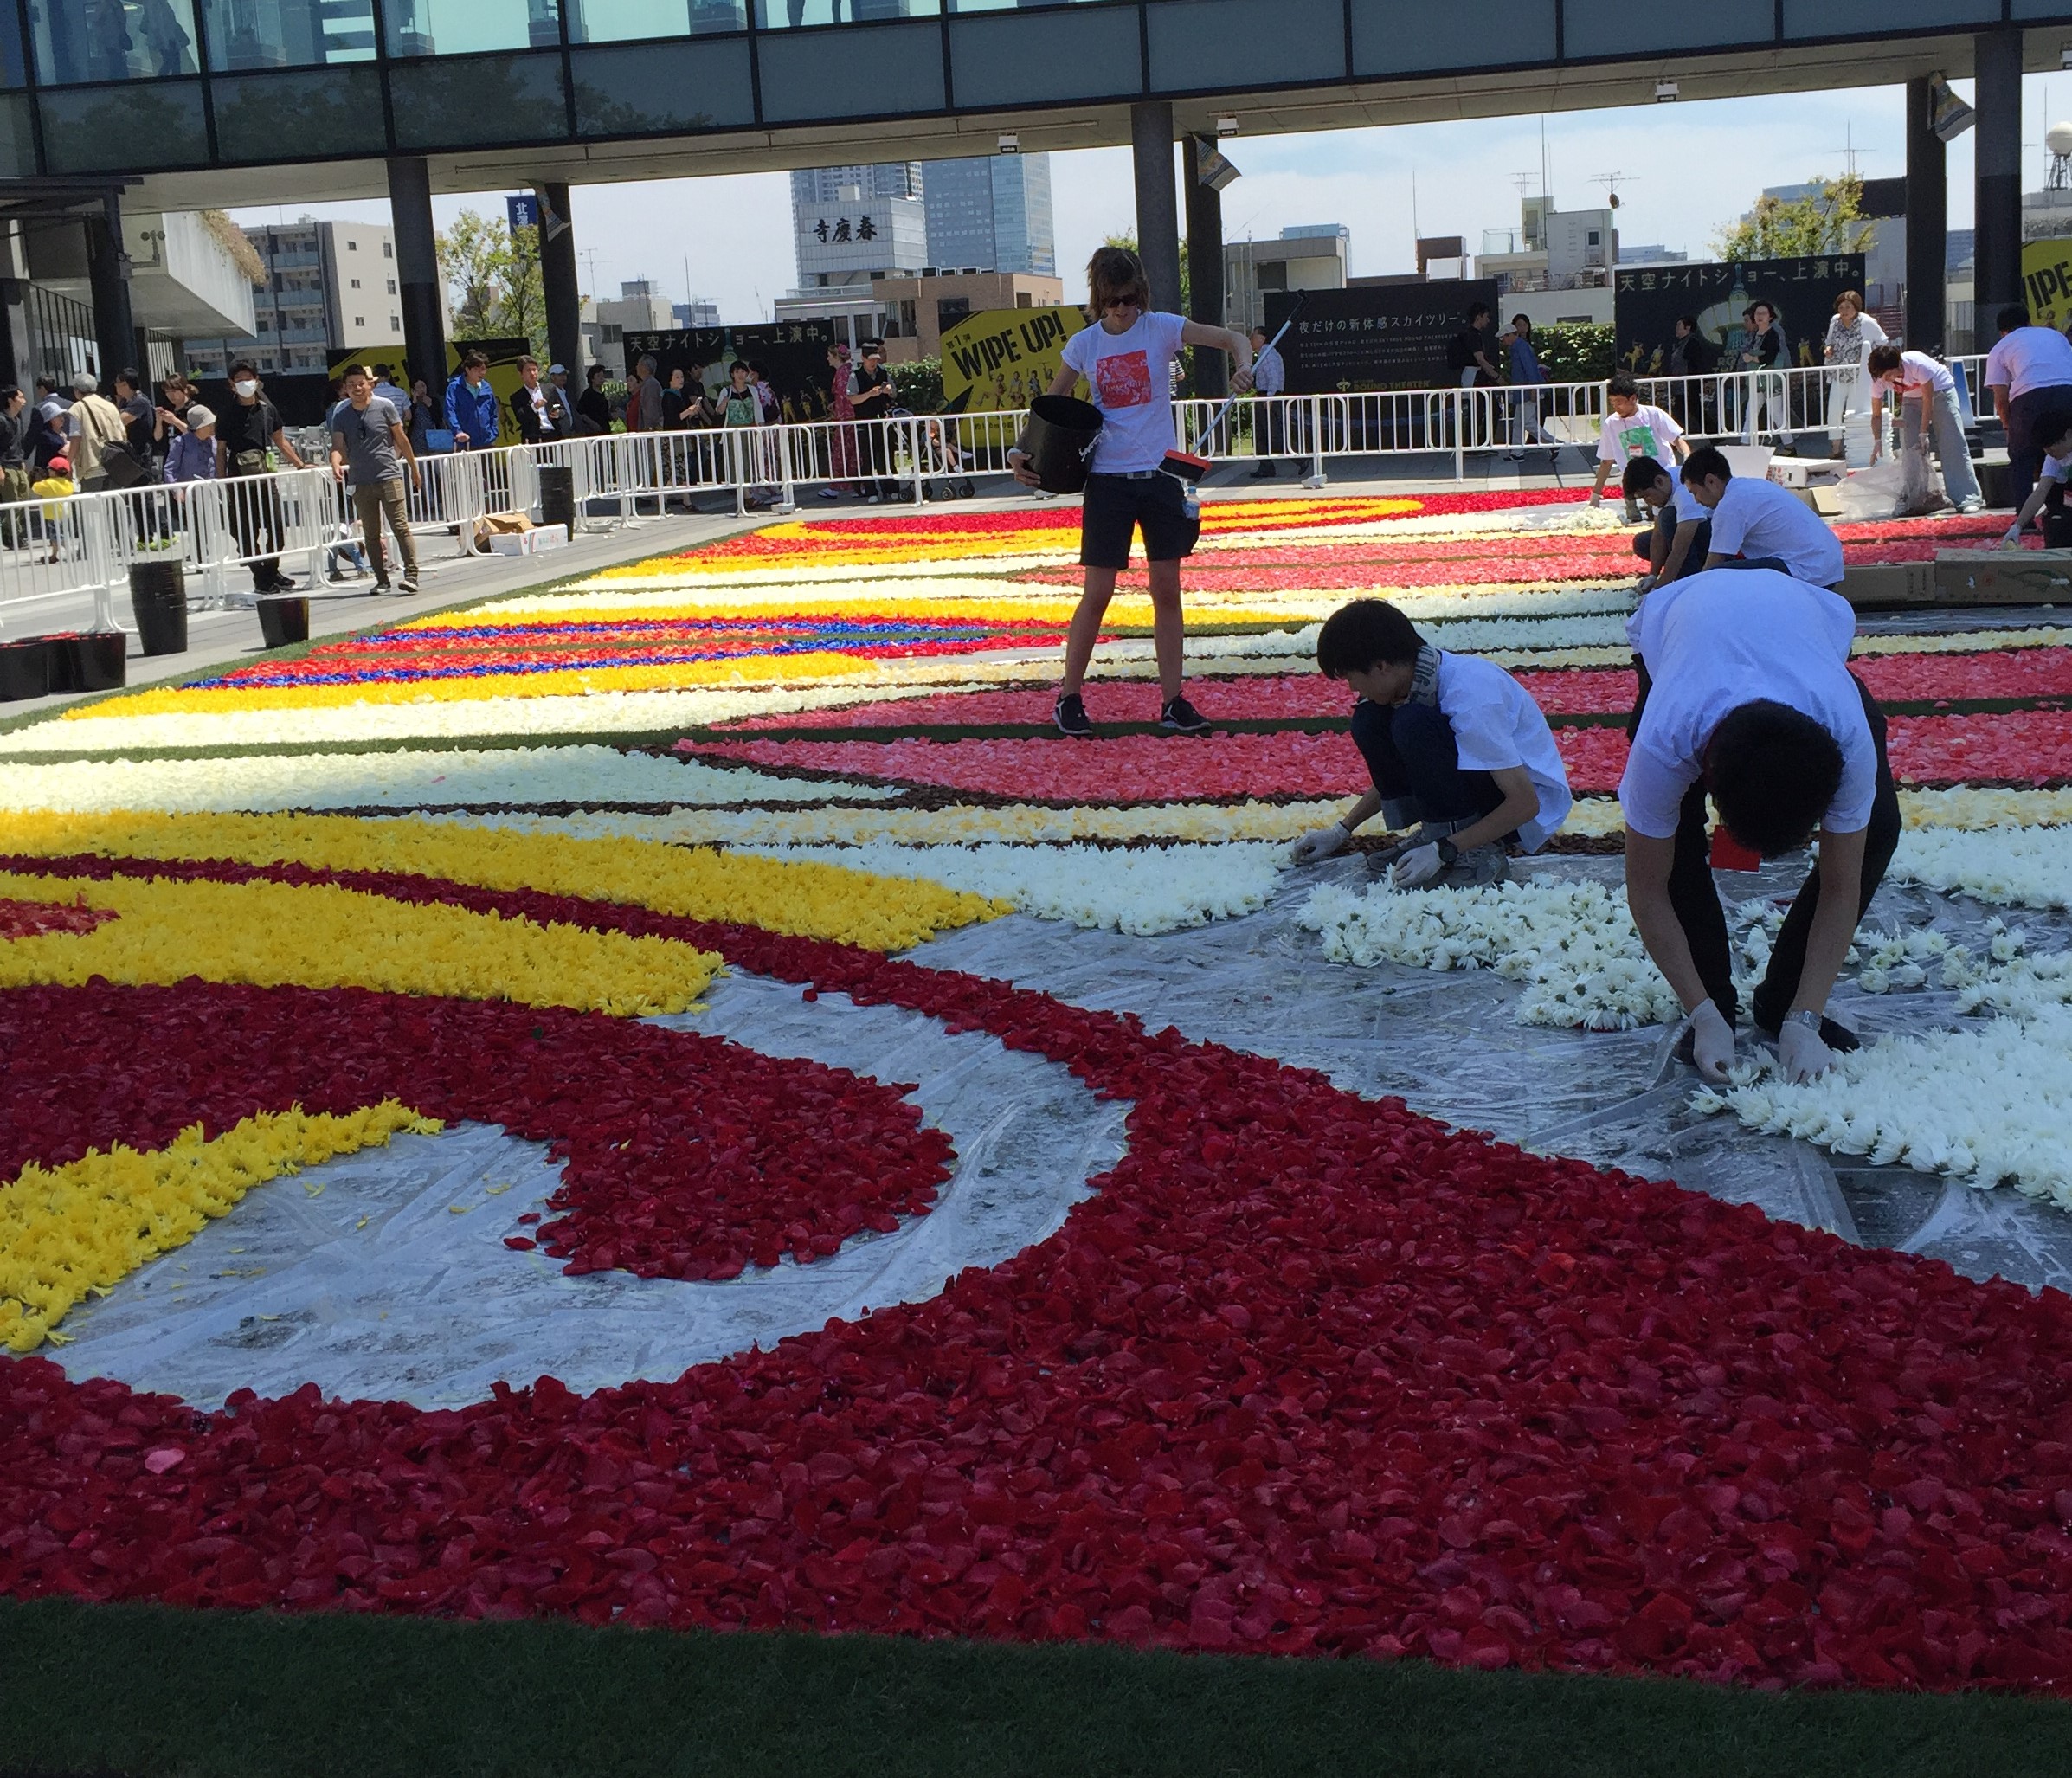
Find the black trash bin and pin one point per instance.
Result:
(558, 495)
(97, 659)
(158, 597)
(1059, 440)
(24, 667)
(282, 621)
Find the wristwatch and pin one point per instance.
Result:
(1809, 1019)
(1448, 851)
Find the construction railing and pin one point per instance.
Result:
(222, 531)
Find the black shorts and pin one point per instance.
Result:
(1115, 505)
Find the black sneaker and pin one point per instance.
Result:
(1069, 714)
(1182, 718)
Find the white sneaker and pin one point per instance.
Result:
(1970, 509)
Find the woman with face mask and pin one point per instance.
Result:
(245, 432)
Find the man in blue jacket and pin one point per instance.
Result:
(471, 405)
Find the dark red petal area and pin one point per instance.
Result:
(686, 1156)
(32, 919)
(1310, 1374)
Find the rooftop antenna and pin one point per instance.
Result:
(1610, 182)
(2058, 139)
(1848, 150)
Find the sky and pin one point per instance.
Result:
(1683, 170)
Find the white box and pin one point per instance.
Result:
(547, 537)
(510, 543)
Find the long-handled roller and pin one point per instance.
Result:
(1190, 465)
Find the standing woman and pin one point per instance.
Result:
(1127, 360)
(842, 437)
(1764, 349)
(1851, 334)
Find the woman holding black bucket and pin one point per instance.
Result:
(1127, 360)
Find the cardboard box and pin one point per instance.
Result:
(510, 543)
(2003, 576)
(1877, 584)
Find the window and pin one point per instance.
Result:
(75, 42)
(353, 247)
(395, 323)
(288, 33)
(392, 286)
(359, 320)
(356, 283)
(949, 309)
(461, 27)
(389, 252)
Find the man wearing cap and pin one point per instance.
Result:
(93, 425)
(561, 405)
(874, 398)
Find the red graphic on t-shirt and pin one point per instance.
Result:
(1124, 381)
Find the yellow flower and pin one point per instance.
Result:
(86, 1225)
(800, 900)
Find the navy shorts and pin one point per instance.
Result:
(1115, 507)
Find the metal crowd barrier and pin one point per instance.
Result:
(86, 543)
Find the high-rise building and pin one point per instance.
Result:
(330, 287)
(992, 213)
(852, 225)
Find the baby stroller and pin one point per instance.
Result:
(944, 463)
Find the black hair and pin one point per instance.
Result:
(595, 372)
(1772, 772)
(130, 374)
(1642, 473)
(1883, 359)
(2013, 316)
(1479, 311)
(2048, 427)
(243, 364)
(1689, 321)
(1706, 460)
(1622, 383)
(1366, 634)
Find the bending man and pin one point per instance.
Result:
(1749, 699)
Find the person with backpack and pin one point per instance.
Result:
(471, 405)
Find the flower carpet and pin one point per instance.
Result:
(679, 1100)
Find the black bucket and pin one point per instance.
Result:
(558, 495)
(24, 668)
(282, 621)
(158, 597)
(1059, 440)
(97, 659)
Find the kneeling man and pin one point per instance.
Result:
(1749, 699)
(1680, 537)
(1456, 748)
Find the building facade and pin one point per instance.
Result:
(1308, 256)
(852, 225)
(909, 313)
(331, 288)
(991, 213)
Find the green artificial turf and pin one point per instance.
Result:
(155, 1693)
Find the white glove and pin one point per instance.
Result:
(1597, 497)
(1313, 848)
(1711, 1043)
(1419, 865)
(2013, 539)
(1804, 1055)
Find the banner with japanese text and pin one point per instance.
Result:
(790, 356)
(998, 360)
(2047, 282)
(1648, 300)
(1375, 336)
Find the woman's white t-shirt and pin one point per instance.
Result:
(1130, 374)
(1728, 637)
(1648, 432)
(1497, 726)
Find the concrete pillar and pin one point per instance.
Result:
(108, 279)
(1997, 210)
(1928, 222)
(417, 276)
(1205, 267)
(557, 282)
(1157, 215)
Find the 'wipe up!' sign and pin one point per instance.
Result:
(1001, 359)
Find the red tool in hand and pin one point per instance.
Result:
(1190, 465)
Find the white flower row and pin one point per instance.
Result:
(2015, 867)
(1572, 943)
(1144, 892)
(261, 783)
(1991, 1103)
(962, 824)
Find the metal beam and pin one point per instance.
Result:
(108, 277)
(1205, 269)
(558, 283)
(1997, 207)
(417, 276)
(1928, 222)
(1157, 215)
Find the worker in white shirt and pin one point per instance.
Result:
(1634, 430)
(1927, 393)
(2029, 370)
(1749, 701)
(1270, 418)
(1756, 524)
(2047, 498)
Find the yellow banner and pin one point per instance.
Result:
(503, 356)
(1003, 359)
(2047, 278)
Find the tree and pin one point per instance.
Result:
(1828, 219)
(493, 281)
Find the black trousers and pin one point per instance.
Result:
(1665, 524)
(2025, 450)
(1415, 763)
(258, 522)
(1696, 898)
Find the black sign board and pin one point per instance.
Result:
(1648, 299)
(1377, 336)
(791, 355)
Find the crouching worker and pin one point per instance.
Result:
(1749, 699)
(2047, 498)
(1456, 749)
(1676, 544)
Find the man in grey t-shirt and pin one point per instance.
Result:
(368, 448)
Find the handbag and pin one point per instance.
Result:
(438, 439)
(121, 466)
